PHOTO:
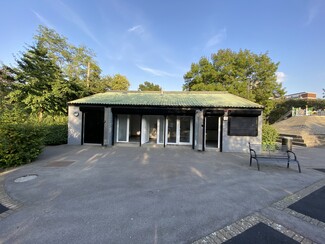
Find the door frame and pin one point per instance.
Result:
(220, 121)
(178, 142)
(84, 111)
(127, 127)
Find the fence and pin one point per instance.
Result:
(306, 112)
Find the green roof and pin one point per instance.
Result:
(170, 99)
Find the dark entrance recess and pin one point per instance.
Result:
(211, 131)
(93, 125)
(312, 205)
(261, 233)
(3, 209)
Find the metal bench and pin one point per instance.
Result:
(288, 156)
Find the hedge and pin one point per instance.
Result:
(19, 143)
(269, 135)
(55, 134)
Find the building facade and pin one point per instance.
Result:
(302, 95)
(201, 120)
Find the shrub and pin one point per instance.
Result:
(55, 129)
(55, 134)
(19, 143)
(269, 135)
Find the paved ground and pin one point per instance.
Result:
(155, 195)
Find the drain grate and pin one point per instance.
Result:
(3, 208)
(61, 163)
(261, 233)
(26, 178)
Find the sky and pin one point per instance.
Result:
(157, 41)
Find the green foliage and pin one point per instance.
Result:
(269, 135)
(55, 134)
(119, 83)
(244, 74)
(19, 143)
(149, 86)
(282, 106)
(76, 62)
(55, 130)
(41, 87)
(6, 82)
(323, 93)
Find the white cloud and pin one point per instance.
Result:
(280, 77)
(43, 20)
(156, 72)
(138, 29)
(314, 11)
(217, 38)
(73, 17)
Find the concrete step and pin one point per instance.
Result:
(290, 135)
(297, 140)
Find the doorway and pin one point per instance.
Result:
(93, 126)
(128, 128)
(179, 129)
(152, 129)
(212, 132)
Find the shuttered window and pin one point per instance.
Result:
(242, 126)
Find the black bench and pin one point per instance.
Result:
(288, 156)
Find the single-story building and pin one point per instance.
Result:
(201, 120)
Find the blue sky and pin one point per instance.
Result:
(156, 41)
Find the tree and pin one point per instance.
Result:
(149, 86)
(76, 63)
(40, 86)
(6, 81)
(119, 83)
(323, 93)
(241, 73)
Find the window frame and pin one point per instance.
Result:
(235, 130)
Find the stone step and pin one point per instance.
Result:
(290, 135)
(296, 139)
(304, 141)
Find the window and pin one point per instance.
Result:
(242, 126)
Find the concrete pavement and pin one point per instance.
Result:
(89, 194)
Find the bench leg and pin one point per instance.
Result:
(298, 166)
(299, 169)
(250, 163)
(258, 165)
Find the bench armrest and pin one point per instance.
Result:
(252, 152)
(291, 155)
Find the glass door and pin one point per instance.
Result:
(145, 129)
(185, 129)
(160, 129)
(179, 130)
(122, 128)
(171, 129)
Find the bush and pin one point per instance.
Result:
(55, 130)
(55, 134)
(269, 135)
(19, 143)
